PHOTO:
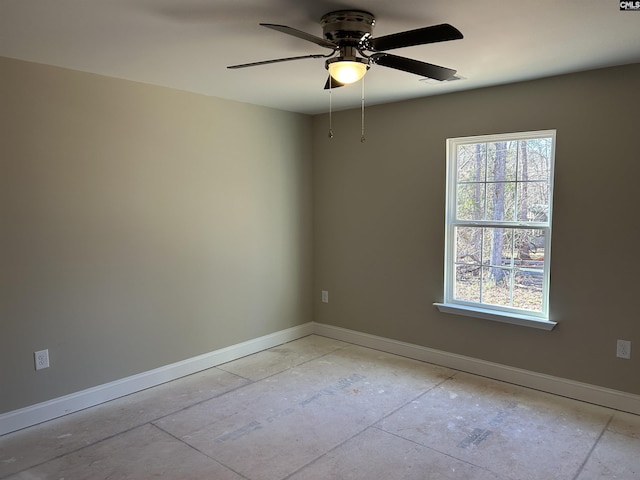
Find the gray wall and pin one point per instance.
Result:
(379, 222)
(140, 226)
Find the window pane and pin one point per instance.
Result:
(470, 201)
(501, 200)
(529, 247)
(509, 253)
(496, 246)
(533, 201)
(468, 245)
(472, 162)
(502, 160)
(496, 286)
(527, 292)
(467, 286)
(534, 159)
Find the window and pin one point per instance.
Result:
(498, 227)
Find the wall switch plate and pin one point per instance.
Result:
(624, 349)
(325, 296)
(41, 359)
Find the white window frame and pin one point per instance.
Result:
(504, 314)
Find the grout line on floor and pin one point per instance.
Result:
(288, 368)
(453, 457)
(593, 447)
(199, 451)
(79, 449)
(127, 430)
(371, 425)
(422, 394)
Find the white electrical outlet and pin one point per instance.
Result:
(41, 359)
(325, 296)
(623, 349)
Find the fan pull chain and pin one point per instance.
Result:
(330, 97)
(363, 138)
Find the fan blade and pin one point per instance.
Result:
(421, 36)
(303, 35)
(333, 83)
(277, 60)
(413, 66)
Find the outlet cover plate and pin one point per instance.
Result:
(623, 349)
(41, 359)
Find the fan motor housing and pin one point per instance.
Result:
(347, 26)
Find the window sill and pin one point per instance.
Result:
(512, 318)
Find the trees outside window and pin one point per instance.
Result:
(498, 221)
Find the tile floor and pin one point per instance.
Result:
(319, 409)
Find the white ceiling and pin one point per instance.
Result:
(187, 44)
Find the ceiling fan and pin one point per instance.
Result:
(348, 33)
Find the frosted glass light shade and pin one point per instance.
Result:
(347, 72)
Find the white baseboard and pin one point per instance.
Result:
(585, 392)
(57, 407)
